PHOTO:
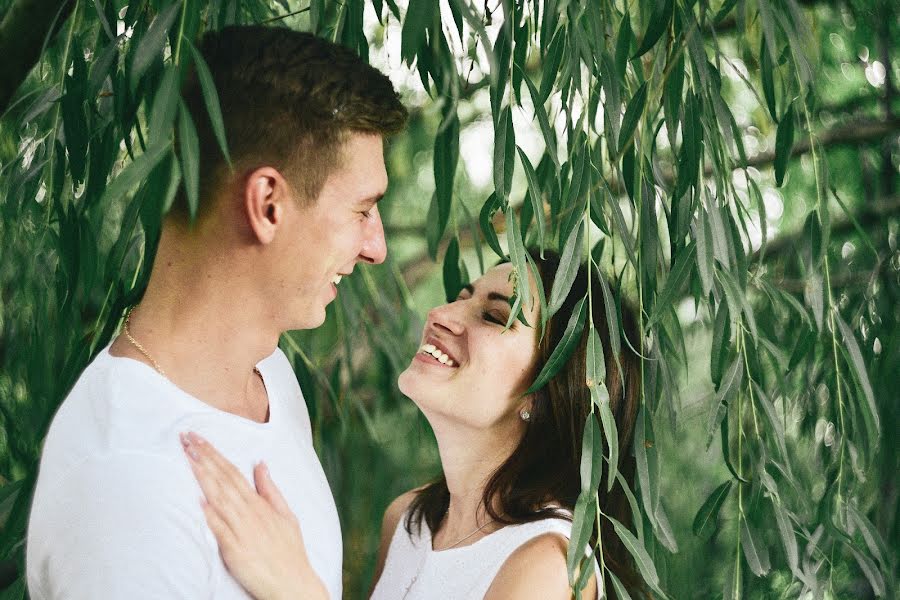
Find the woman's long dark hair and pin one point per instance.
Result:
(543, 470)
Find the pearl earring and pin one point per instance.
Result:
(525, 415)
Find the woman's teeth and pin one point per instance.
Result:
(440, 356)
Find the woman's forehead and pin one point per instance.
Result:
(496, 279)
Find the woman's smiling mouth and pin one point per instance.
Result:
(438, 355)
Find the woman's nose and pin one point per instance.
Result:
(447, 317)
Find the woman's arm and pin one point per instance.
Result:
(259, 536)
(537, 571)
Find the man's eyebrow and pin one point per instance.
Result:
(372, 199)
(491, 296)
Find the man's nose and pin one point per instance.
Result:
(374, 248)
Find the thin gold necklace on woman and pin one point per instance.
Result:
(461, 540)
(422, 562)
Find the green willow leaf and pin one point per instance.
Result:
(703, 235)
(672, 97)
(446, 157)
(774, 422)
(596, 364)
(862, 377)
(768, 80)
(729, 386)
(543, 120)
(647, 463)
(517, 254)
(754, 550)
(621, 592)
(504, 154)
(76, 129)
(189, 157)
(485, 221)
(870, 534)
(452, 276)
(134, 173)
(591, 455)
(726, 451)
(211, 99)
(624, 40)
(814, 295)
(876, 580)
(570, 339)
(612, 319)
(432, 234)
(165, 106)
(641, 559)
(788, 537)
(720, 344)
(632, 116)
(723, 12)
(150, 46)
(536, 196)
(679, 274)
(101, 67)
(663, 529)
(419, 17)
(706, 519)
(659, 22)
(568, 268)
(582, 526)
(611, 434)
(552, 62)
(804, 344)
(690, 154)
(542, 296)
(784, 143)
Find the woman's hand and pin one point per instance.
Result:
(259, 537)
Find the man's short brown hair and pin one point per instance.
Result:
(289, 99)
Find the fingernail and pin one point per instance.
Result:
(184, 439)
(265, 468)
(196, 439)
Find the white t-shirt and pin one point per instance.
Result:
(116, 511)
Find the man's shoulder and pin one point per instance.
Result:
(113, 406)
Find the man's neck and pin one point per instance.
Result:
(203, 328)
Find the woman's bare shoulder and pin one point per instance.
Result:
(537, 569)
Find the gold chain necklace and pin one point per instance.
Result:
(143, 350)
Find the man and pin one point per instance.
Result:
(117, 511)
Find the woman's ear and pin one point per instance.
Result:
(265, 195)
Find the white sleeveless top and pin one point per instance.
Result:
(414, 571)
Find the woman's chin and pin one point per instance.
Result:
(414, 386)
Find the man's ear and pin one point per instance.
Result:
(266, 194)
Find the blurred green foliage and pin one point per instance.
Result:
(769, 307)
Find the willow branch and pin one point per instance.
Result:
(854, 133)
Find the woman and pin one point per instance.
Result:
(497, 522)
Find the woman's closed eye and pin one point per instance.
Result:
(493, 317)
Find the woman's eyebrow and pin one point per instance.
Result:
(491, 296)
